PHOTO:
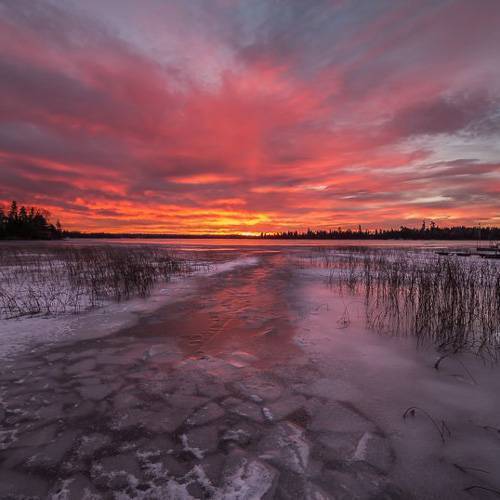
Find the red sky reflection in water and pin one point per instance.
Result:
(249, 116)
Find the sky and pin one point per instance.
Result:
(243, 116)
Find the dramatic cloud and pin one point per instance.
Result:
(251, 115)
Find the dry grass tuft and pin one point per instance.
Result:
(451, 301)
(47, 279)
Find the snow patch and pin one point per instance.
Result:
(186, 447)
(362, 448)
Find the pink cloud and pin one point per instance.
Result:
(219, 118)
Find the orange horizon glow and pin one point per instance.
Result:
(249, 117)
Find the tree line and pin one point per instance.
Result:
(431, 232)
(403, 233)
(27, 223)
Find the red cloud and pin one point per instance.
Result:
(250, 121)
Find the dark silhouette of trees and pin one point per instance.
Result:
(431, 232)
(27, 223)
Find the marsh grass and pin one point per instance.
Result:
(53, 280)
(441, 427)
(451, 301)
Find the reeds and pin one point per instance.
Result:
(49, 279)
(451, 301)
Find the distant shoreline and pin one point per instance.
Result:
(481, 235)
(447, 234)
(258, 238)
(235, 237)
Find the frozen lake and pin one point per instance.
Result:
(254, 377)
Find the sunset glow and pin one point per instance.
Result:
(254, 115)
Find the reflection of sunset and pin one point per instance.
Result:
(247, 119)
